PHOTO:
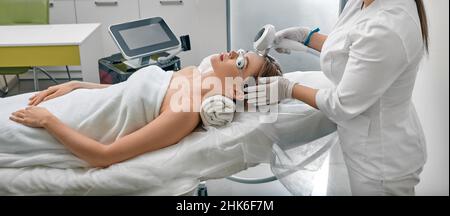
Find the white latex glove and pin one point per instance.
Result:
(270, 90)
(295, 33)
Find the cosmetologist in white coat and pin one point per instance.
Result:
(372, 56)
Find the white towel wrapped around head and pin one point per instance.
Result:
(217, 111)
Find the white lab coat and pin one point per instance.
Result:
(372, 56)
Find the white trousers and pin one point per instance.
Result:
(363, 186)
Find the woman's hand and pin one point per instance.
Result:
(270, 90)
(298, 34)
(53, 92)
(34, 117)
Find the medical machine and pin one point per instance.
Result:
(115, 69)
(144, 42)
(265, 40)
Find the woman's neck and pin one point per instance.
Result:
(198, 87)
(212, 84)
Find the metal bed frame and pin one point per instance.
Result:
(202, 189)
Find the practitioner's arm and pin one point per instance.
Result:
(300, 34)
(317, 41)
(168, 129)
(62, 89)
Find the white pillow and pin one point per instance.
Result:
(205, 65)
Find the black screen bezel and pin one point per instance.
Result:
(115, 31)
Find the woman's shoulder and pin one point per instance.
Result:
(189, 68)
(153, 72)
(186, 71)
(394, 16)
(391, 24)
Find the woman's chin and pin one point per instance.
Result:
(215, 59)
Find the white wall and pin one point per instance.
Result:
(431, 94)
(246, 20)
(431, 97)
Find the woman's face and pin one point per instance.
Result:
(233, 65)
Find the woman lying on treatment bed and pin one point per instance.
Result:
(106, 124)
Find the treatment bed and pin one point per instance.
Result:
(179, 169)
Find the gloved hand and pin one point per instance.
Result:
(270, 90)
(298, 34)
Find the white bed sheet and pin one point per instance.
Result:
(174, 170)
(170, 171)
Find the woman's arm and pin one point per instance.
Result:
(164, 131)
(305, 94)
(60, 90)
(168, 129)
(317, 41)
(300, 34)
(377, 57)
(88, 85)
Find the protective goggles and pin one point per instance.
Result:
(241, 61)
